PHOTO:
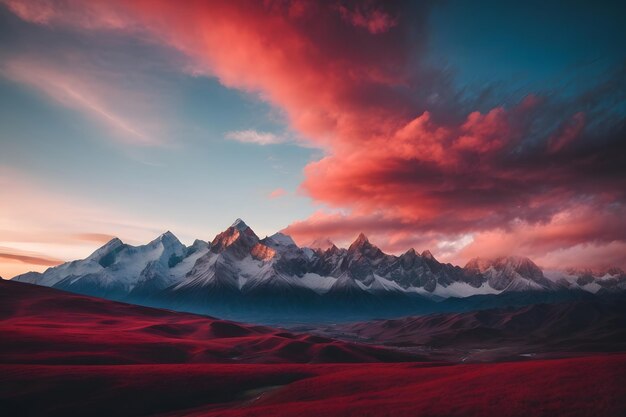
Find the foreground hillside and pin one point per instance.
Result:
(68, 355)
(539, 331)
(47, 326)
(590, 386)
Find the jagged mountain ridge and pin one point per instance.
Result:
(239, 271)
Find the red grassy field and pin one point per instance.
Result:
(45, 326)
(588, 386)
(66, 355)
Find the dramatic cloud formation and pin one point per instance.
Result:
(544, 176)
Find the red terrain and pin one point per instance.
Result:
(65, 355)
(46, 326)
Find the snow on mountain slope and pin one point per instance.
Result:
(116, 269)
(198, 249)
(241, 261)
(317, 283)
(609, 280)
(239, 269)
(463, 289)
(511, 273)
(280, 240)
(94, 263)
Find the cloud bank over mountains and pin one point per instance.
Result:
(407, 159)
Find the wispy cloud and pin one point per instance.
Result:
(353, 86)
(277, 193)
(15, 261)
(30, 258)
(30, 224)
(79, 91)
(256, 137)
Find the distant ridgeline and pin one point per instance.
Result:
(272, 280)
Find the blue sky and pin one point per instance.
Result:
(142, 132)
(196, 184)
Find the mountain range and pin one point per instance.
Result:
(241, 276)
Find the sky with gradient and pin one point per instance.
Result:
(467, 128)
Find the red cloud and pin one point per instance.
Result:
(397, 169)
(277, 193)
(374, 20)
(30, 259)
(568, 133)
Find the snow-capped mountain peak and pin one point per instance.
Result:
(199, 243)
(511, 273)
(238, 238)
(520, 264)
(322, 244)
(360, 241)
(362, 247)
(108, 247)
(427, 255)
(169, 241)
(281, 239)
(239, 225)
(237, 266)
(168, 237)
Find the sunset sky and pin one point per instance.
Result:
(466, 130)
